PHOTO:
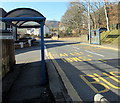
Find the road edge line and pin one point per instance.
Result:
(71, 91)
(56, 84)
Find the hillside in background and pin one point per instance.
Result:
(111, 37)
(52, 24)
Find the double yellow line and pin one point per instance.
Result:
(71, 91)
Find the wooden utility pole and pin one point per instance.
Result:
(89, 21)
(106, 15)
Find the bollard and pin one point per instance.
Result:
(21, 44)
(29, 42)
(98, 98)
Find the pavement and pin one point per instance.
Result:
(24, 83)
(69, 77)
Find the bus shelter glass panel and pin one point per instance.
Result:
(95, 37)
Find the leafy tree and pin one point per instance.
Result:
(73, 17)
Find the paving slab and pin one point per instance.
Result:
(24, 83)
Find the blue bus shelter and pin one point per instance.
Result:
(28, 18)
(95, 35)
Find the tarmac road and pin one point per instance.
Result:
(89, 69)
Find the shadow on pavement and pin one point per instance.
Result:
(58, 43)
(27, 49)
(28, 87)
(47, 41)
(113, 62)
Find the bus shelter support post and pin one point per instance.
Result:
(42, 54)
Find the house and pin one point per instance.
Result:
(36, 31)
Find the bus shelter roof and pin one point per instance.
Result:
(24, 18)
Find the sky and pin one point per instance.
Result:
(51, 10)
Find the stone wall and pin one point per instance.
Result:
(82, 38)
(8, 55)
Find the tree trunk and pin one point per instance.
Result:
(106, 15)
(93, 24)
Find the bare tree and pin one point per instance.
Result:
(106, 14)
(73, 18)
(95, 12)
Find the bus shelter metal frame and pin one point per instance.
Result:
(41, 21)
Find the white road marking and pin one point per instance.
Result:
(75, 47)
(94, 53)
(67, 45)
